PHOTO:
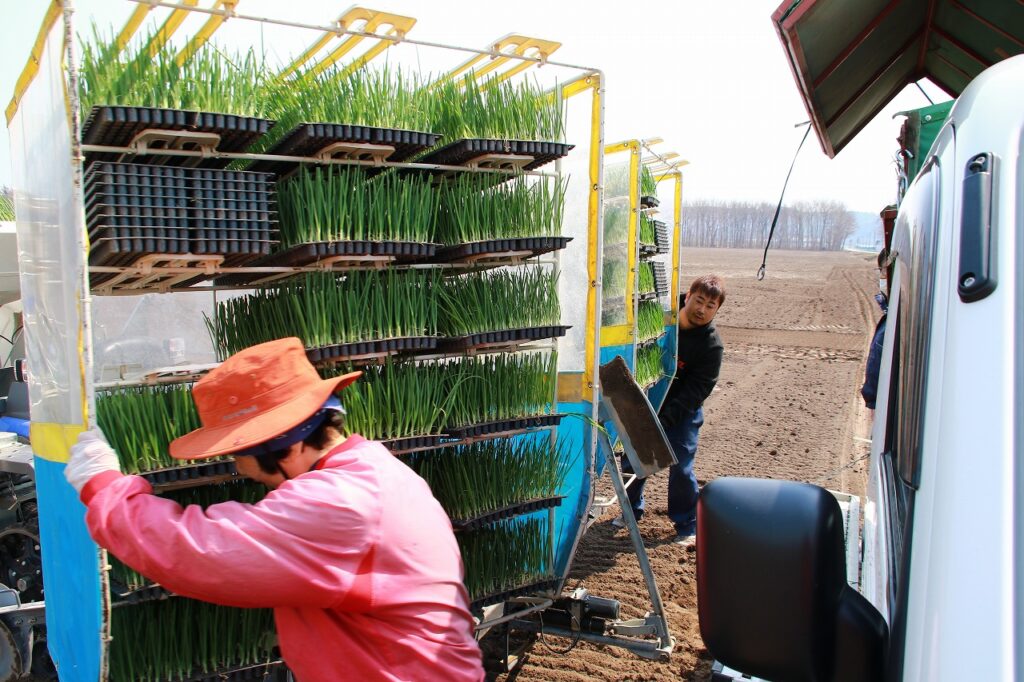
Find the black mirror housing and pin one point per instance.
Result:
(771, 583)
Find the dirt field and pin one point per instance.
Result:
(786, 406)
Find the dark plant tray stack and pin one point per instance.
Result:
(503, 337)
(512, 510)
(346, 351)
(460, 152)
(117, 126)
(649, 202)
(647, 295)
(660, 279)
(504, 426)
(135, 210)
(235, 214)
(399, 446)
(661, 237)
(185, 476)
(307, 139)
(535, 246)
(531, 588)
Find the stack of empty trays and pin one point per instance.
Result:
(139, 210)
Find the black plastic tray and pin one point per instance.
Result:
(502, 337)
(125, 251)
(458, 153)
(647, 295)
(190, 472)
(344, 351)
(503, 425)
(530, 588)
(272, 671)
(124, 597)
(535, 245)
(117, 126)
(399, 446)
(307, 139)
(313, 252)
(512, 510)
(647, 201)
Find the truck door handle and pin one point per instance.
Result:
(977, 275)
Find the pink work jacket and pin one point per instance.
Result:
(356, 557)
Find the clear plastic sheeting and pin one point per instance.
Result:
(50, 230)
(618, 219)
(573, 287)
(134, 335)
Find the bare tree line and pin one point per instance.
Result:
(809, 225)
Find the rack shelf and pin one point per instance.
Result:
(532, 588)
(507, 512)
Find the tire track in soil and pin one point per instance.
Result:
(782, 409)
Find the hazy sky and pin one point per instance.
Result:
(710, 78)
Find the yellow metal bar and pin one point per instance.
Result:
(632, 244)
(374, 19)
(367, 56)
(132, 25)
(207, 30)
(515, 70)
(32, 66)
(593, 82)
(677, 239)
(170, 26)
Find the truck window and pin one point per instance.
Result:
(914, 243)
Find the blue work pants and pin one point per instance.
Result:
(682, 484)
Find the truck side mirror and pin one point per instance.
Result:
(772, 596)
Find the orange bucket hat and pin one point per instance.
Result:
(253, 396)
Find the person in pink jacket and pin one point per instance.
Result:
(349, 547)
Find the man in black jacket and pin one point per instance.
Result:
(698, 363)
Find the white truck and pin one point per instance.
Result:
(941, 590)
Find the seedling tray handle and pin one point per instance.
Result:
(355, 151)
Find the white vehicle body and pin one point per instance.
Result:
(943, 527)
(957, 606)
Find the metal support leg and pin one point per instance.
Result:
(654, 623)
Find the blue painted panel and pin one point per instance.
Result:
(574, 436)
(71, 577)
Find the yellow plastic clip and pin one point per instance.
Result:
(511, 44)
(397, 27)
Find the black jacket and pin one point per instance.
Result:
(697, 367)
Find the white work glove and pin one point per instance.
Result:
(91, 455)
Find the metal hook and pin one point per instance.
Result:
(760, 273)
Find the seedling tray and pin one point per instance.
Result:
(117, 126)
(399, 446)
(661, 238)
(512, 510)
(313, 252)
(190, 474)
(648, 250)
(307, 139)
(649, 202)
(503, 425)
(651, 341)
(647, 295)
(505, 337)
(493, 248)
(125, 597)
(460, 152)
(347, 351)
(530, 588)
(271, 671)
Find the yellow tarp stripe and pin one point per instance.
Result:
(32, 67)
(53, 442)
(617, 335)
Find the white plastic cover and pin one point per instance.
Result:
(50, 234)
